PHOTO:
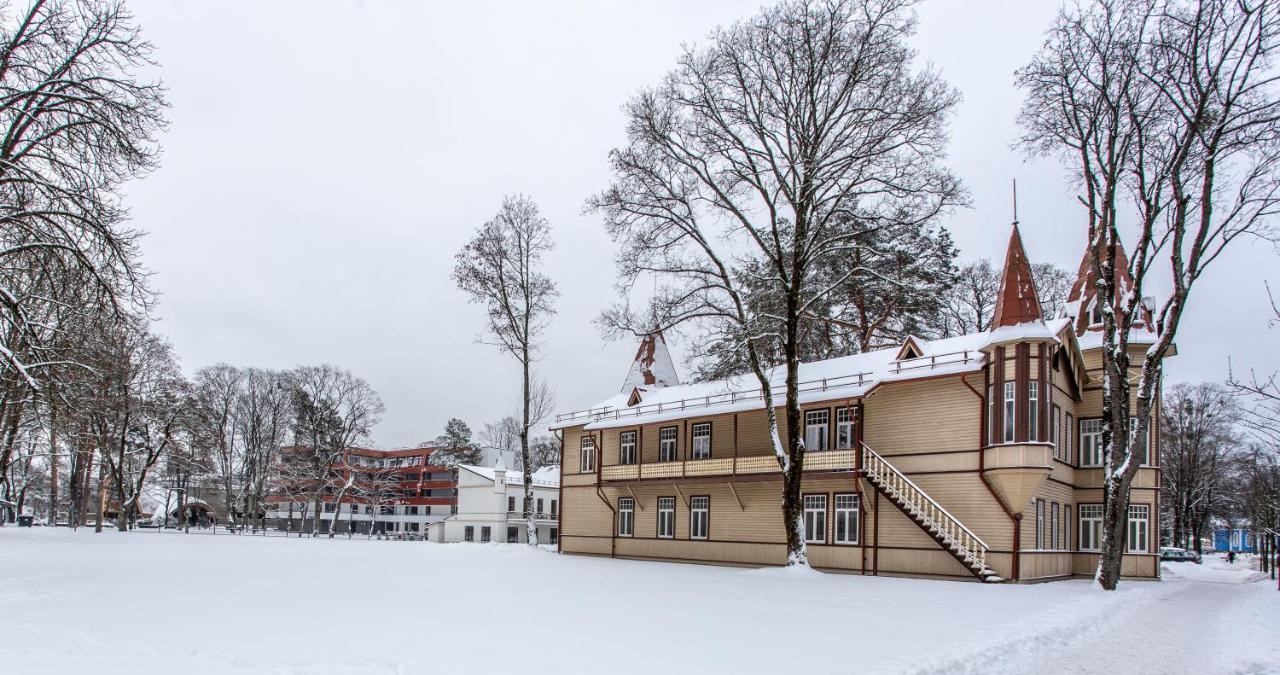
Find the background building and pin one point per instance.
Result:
(490, 506)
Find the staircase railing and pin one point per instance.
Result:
(950, 529)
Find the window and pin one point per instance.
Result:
(1066, 526)
(666, 517)
(667, 448)
(1095, 313)
(626, 516)
(699, 517)
(1137, 539)
(513, 535)
(1033, 411)
(1091, 442)
(426, 510)
(991, 414)
(411, 510)
(846, 519)
(328, 507)
(539, 509)
(553, 508)
(588, 454)
(1039, 523)
(511, 504)
(1090, 527)
(1055, 432)
(815, 519)
(1009, 407)
(817, 424)
(702, 440)
(844, 428)
(555, 534)
(485, 533)
(1053, 526)
(627, 447)
(469, 533)
(1069, 445)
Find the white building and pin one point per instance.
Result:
(489, 506)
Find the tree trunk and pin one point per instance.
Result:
(102, 495)
(792, 500)
(53, 461)
(531, 527)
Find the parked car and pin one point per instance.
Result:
(1179, 555)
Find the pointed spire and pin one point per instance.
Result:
(652, 367)
(1016, 300)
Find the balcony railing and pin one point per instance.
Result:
(519, 515)
(818, 460)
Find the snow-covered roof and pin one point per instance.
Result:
(541, 478)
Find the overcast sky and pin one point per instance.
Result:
(326, 160)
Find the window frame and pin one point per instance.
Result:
(670, 521)
(486, 534)
(1010, 410)
(1055, 513)
(705, 511)
(587, 454)
(469, 533)
(627, 449)
(1096, 437)
(845, 424)
(1090, 524)
(1055, 430)
(819, 512)
(672, 443)
(627, 506)
(841, 535)
(694, 438)
(1069, 453)
(1039, 524)
(1143, 528)
(1033, 411)
(823, 427)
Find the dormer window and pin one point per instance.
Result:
(1095, 313)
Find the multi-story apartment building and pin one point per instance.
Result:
(392, 491)
(977, 456)
(490, 506)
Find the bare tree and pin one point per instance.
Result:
(333, 410)
(262, 421)
(768, 152)
(1198, 441)
(501, 268)
(77, 123)
(1167, 112)
(215, 393)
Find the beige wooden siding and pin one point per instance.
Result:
(928, 416)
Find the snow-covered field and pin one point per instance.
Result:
(149, 602)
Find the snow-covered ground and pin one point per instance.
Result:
(150, 602)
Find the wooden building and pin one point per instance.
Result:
(973, 457)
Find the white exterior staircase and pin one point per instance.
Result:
(926, 512)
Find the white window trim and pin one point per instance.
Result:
(816, 511)
(1010, 411)
(1095, 437)
(627, 449)
(694, 512)
(1138, 524)
(1033, 411)
(587, 455)
(1089, 523)
(673, 443)
(627, 505)
(821, 429)
(700, 443)
(856, 511)
(844, 427)
(661, 519)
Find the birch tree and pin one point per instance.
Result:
(760, 157)
(1166, 111)
(501, 268)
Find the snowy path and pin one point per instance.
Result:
(170, 603)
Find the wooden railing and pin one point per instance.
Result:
(950, 529)
(823, 460)
(934, 360)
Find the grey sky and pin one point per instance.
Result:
(326, 160)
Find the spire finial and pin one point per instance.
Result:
(1015, 201)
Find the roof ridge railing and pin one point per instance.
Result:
(732, 396)
(932, 361)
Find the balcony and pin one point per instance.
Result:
(821, 460)
(517, 515)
